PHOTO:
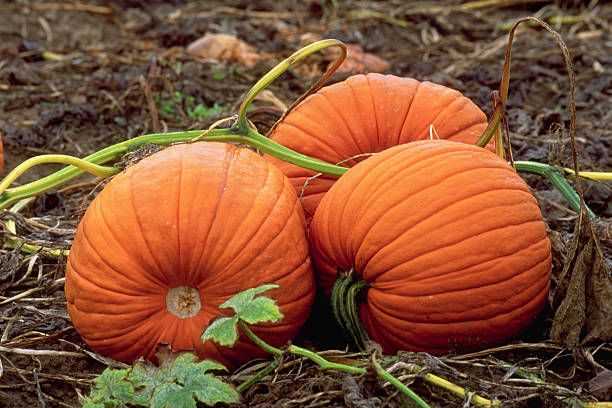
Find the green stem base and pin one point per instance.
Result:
(344, 301)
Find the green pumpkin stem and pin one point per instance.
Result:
(345, 299)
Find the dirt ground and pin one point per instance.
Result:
(74, 77)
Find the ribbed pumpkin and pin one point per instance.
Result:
(174, 236)
(368, 114)
(448, 239)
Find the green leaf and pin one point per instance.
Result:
(261, 309)
(252, 309)
(172, 396)
(242, 300)
(179, 383)
(146, 379)
(112, 388)
(222, 331)
(211, 390)
(193, 382)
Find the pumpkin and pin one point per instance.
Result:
(446, 240)
(174, 236)
(367, 114)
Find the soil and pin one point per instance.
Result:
(74, 77)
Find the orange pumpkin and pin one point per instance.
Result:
(368, 114)
(448, 240)
(174, 236)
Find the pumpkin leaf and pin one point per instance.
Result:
(222, 331)
(261, 309)
(172, 396)
(179, 383)
(243, 300)
(111, 389)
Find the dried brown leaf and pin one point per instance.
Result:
(224, 48)
(359, 62)
(583, 293)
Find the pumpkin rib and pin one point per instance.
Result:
(154, 280)
(139, 224)
(296, 123)
(509, 280)
(427, 345)
(349, 83)
(221, 188)
(221, 278)
(395, 175)
(343, 120)
(111, 334)
(433, 185)
(246, 216)
(420, 163)
(436, 211)
(408, 110)
(178, 212)
(103, 288)
(105, 262)
(449, 275)
(377, 124)
(442, 325)
(456, 137)
(424, 132)
(459, 242)
(315, 137)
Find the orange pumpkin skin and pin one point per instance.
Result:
(368, 114)
(449, 239)
(208, 216)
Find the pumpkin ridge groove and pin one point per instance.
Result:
(516, 275)
(361, 180)
(458, 98)
(226, 167)
(152, 278)
(262, 223)
(398, 174)
(451, 274)
(446, 246)
(139, 224)
(119, 333)
(221, 277)
(378, 132)
(414, 96)
(177, 260)
(105, 262)
(369, 147)
(477, 122)
(101, 288)
(387, 312)
(427, 187)
(314, 136)
(427, 216)
(344, 122)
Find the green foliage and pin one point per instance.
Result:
(178, 383)
(248, 307)
(222, 331)
(170, 107)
